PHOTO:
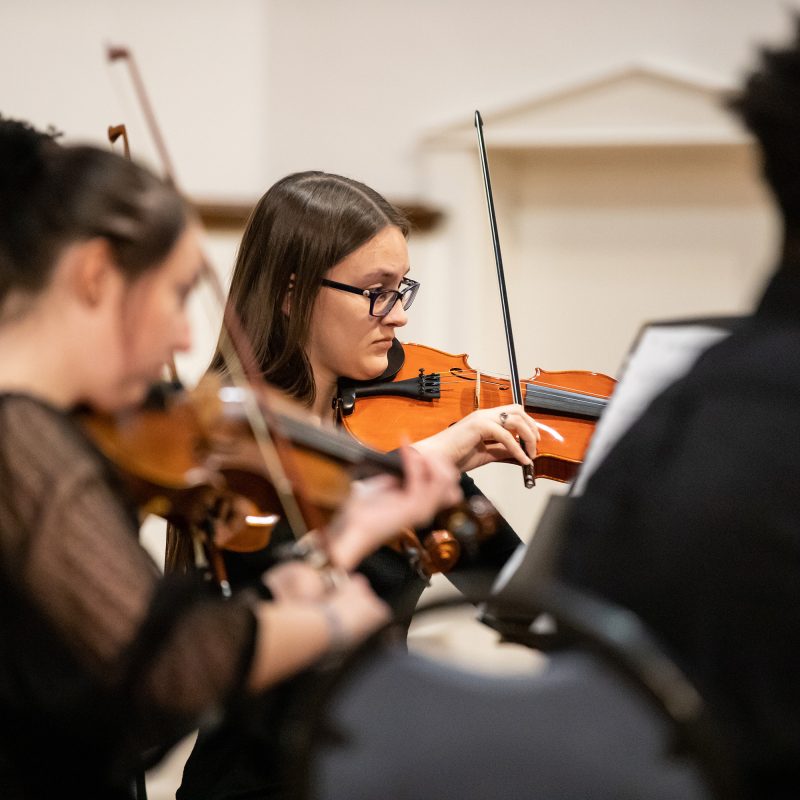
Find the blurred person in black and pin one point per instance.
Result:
(693, 521)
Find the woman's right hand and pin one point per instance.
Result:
(349, 606)
(353, 611)
(304, 623)
(484, 436)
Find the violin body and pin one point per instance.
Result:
(437, 389)
(171, 466)
(192, 456)
(189, 454)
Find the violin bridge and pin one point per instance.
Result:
(477, 400)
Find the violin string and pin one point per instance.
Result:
(451, 379)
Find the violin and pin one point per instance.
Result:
(425, 390)
(191, 457)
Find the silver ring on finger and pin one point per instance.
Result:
(503, 418)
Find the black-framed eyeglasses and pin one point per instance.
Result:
(381, 301)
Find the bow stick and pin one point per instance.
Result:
(237, 351)
(117, 131)
(121, 132)
(527, 469)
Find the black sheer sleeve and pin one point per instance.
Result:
(69, 556)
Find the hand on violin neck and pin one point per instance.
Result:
(379, 507)
(484, 436)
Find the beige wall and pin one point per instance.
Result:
(602, 240)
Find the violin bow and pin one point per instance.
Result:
(527, 469)
(121, 132)
(237, 350)
(117, 131)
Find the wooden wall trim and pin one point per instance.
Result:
(220, 215)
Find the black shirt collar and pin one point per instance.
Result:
(781, 299)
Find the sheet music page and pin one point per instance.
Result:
(509, 569)
(663, 354)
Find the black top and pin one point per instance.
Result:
(693, 522)
(102, 659)
(241, 759)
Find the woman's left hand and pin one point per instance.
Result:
(379, 508)
(490, 434)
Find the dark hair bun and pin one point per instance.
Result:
(22, 161)
(51, 196)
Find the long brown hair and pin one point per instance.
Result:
(304, 225)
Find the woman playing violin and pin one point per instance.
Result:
(100, 651)
(321, 286)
